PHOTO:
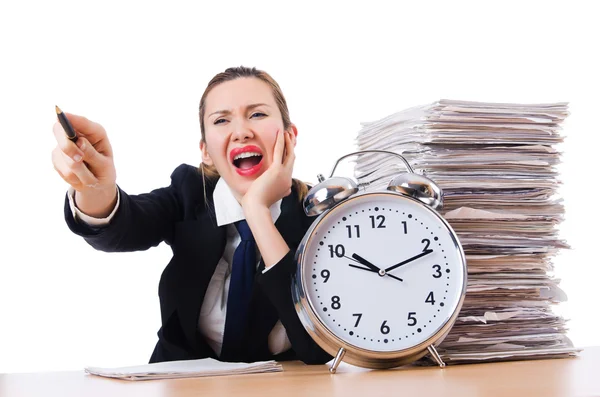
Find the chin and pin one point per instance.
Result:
(241, 184)
(239, 188)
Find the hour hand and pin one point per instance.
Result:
(365, 262)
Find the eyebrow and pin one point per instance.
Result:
(249, 107)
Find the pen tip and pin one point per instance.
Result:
(58, 111)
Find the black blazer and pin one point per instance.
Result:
(179, 216)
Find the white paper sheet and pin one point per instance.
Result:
(185, 369)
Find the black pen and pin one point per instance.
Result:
(66, 125)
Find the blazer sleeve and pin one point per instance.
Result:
(141, 221)
(276, 284)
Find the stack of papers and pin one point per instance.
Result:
(496, 164)
(185, 369)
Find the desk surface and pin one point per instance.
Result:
(557, 377)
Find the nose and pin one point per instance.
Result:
(241, 131)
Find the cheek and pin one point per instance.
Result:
(270, 135)
(215, 144)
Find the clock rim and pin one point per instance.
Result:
(328, 340)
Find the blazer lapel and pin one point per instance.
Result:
(204, 246)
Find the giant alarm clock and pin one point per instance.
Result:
(381, 276)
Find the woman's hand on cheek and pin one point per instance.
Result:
(276, 182)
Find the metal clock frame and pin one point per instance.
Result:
(342, 350)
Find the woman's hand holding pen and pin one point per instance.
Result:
(87, 165)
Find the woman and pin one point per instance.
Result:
(219, 297)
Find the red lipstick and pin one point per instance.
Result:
(247, 171)
(250, 148)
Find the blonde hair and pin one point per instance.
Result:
(209, 172)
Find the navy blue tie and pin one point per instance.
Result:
(240, 293)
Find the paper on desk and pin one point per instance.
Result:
(185, 369)
(514, 354)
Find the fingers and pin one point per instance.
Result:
(284, 148)
(279, 147)
(81, 164)
(94, 132)
(91, 157)
(82, 151)
(289, 148)
(91, 130)
(65, 144)
(63, 169)
(75, 173)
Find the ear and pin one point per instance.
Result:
(205, 156)
(295, 131)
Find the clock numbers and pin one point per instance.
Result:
(384, 328)
(380, 219)
(412, 319)
(430, 298)
(335, 302)
(359, 316)
(339, 250)
(427, 242)
(438, 271)
(350, 231)
(399, 286)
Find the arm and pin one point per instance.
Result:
(271, 245)
(276, 284)
(141, 221)
(274, 184)
(87, 165)
(271, 186)
(86, 218)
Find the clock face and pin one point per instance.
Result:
(383, 272)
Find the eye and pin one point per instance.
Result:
(219, 121)
(258, 114)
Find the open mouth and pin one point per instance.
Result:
(245, 161)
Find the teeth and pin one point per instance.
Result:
(246, 155)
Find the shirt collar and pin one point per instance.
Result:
(228, 210)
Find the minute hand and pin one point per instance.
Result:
(426, 252)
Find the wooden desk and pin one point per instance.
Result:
(559, 377)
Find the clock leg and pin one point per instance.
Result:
(436, 356)
(337, 360)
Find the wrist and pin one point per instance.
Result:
(253, 210)
(250, 205)
(97, 203)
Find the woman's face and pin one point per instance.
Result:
(241, 122)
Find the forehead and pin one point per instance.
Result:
(237, 93)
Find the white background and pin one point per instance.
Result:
(139, 68)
